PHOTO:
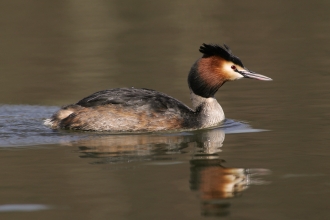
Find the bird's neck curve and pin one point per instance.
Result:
(204, 80)
(208, 111)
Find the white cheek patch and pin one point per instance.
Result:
(236, 75)
(232, 75)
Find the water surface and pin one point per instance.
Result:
(270, 161)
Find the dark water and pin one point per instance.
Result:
(269, 161)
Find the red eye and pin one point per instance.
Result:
(233, 67)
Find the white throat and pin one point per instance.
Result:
(210, 112)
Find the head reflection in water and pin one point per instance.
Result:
(215, 184)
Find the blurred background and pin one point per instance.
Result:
(55, 53)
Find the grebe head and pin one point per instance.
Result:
(217, 66)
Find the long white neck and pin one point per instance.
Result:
(209, 110)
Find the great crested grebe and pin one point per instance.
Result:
(145, 110)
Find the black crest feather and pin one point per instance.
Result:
(216, 50)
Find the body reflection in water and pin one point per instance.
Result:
(215, 184)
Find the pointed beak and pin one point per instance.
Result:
(252, 75)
